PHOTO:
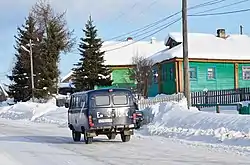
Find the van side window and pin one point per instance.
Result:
(72, 102)
(120, 99)
(83, 101)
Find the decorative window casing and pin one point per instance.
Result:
(211, 73)
(246, 72)
(193, 73)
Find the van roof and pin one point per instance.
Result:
(101, 90)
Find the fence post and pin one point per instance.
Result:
(217, 108)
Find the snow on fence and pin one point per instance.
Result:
(142, 104)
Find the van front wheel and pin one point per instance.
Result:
(76, 136)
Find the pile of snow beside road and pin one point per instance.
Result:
(173, 119)
(36, 112)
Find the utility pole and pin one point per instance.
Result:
(185, 53)
(241, 29)
(31, 71)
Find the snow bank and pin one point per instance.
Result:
(173, 119)
(36, 112)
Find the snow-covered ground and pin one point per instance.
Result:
(38, 132)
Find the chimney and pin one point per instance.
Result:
(221, 33)
(129, 39)
(153, 40)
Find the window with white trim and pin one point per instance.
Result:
(210, 73)
(192, 73)
(246, 72)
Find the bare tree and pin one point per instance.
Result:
(141, 73)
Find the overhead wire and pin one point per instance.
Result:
(220, 13)
(221, 7)
(166, 18)
(162, 28)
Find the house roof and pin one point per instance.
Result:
(122, 52)
(207, 46)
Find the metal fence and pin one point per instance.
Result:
(142, 104)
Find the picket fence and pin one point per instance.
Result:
(142, 104)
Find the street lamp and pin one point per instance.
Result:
(31, 66)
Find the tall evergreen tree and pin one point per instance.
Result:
(57, 38)
(90, 70)
(20, 89)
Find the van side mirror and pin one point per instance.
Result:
(66, 105)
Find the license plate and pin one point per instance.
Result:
(105, 120)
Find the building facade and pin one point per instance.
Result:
(216, 62)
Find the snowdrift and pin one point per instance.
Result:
(36, 112)
(173, 119)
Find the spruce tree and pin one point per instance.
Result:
(90, 71)
(20, 88)
(57, 38)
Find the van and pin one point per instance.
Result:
(102, 112)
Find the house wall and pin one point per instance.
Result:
(121, 77)
(224, 76)
(242, 83)
(168, 76)
(153, 88)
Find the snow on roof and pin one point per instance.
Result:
(125, 50)
(207, 46)
(123, 53)
(67, 76)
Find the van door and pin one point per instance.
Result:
(123, 106)
(101, 109)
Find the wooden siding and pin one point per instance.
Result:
(224, 76)
(121, 76)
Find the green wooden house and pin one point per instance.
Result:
(216, 62)
(119, 59)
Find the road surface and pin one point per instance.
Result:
(26, 143)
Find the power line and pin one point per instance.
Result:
(164, 27)
(221, 13)
(131, 8)
(221, 7)
(166, 18)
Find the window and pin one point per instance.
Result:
(155, 76)
(210, 73)
(192, 73)
(246, 72)
(164, 73)
(171, 74)
(120, 99)
(102, 100)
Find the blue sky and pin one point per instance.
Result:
(113, 18)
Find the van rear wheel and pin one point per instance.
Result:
(88, 140)
(111, 136)
(125, 138)
(76, 136)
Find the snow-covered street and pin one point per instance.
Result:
(37, 133)
(26, 143)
